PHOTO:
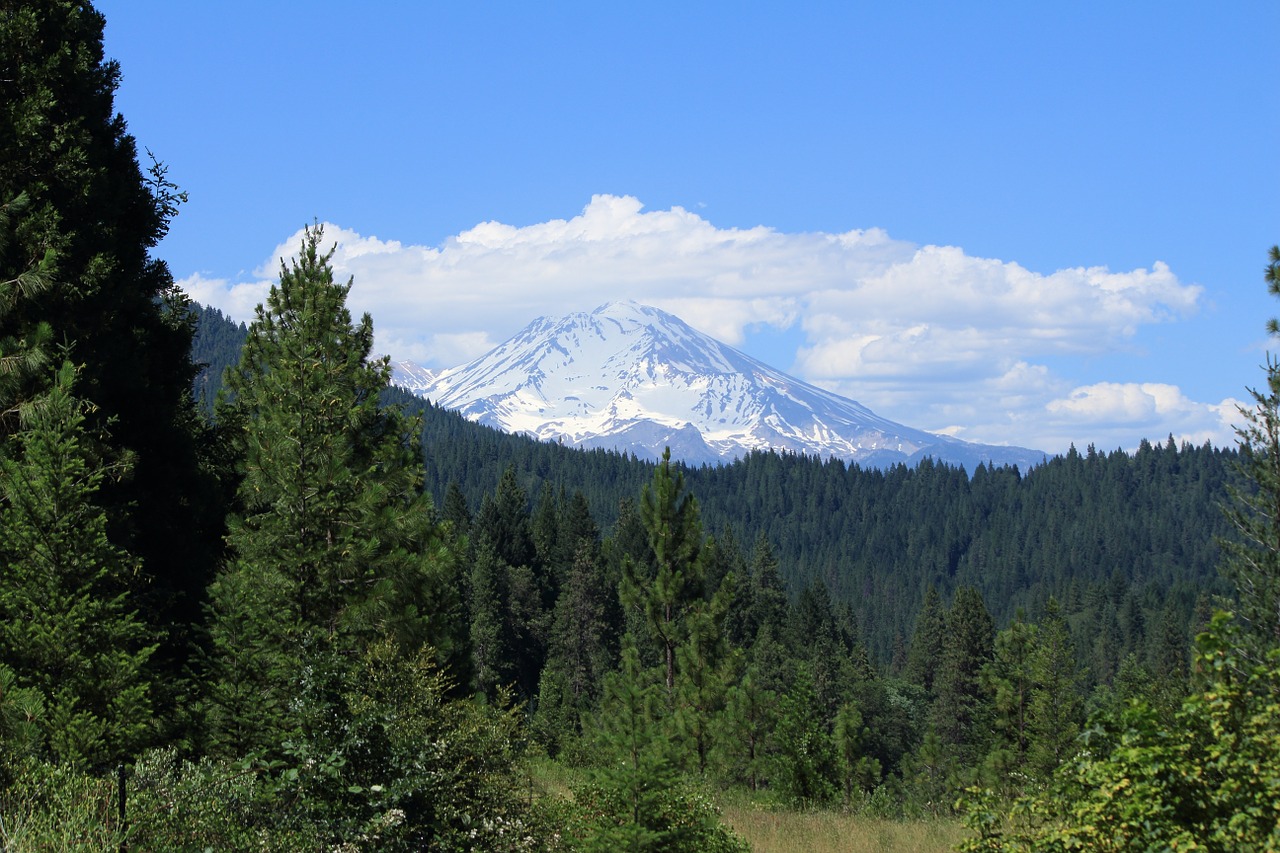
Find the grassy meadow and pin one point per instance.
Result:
(771, 828)
(785, 831)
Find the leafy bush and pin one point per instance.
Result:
(389, 763)
(46, 807)
(679, 818)
(175, 804)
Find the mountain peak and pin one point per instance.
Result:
(632, 377)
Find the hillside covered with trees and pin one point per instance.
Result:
(1123, 541)
(286, 606)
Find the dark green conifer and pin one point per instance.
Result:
(335, 544)
(578, 526)
(486, 585)
(583, 638)
(744, 731)
(768, 599)
(1009, 679)
(961, 710)
(67, 628)
(89, 220)
(1056, 709)
(544, 527)
(455, 511)
(670, 590)
(925, 651)
(632, 790)
(525, 590)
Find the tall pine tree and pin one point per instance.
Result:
(961, 712)
(334, 544)
(672, 589)
(90, 218)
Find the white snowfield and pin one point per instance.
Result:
(633, 378)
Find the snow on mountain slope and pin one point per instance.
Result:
(411, 377)
(630, 377)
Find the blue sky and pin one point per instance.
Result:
(1023, 223)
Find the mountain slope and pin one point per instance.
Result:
(634, 378)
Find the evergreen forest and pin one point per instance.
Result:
(255, 597)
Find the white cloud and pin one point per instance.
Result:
(1148, 410)
(236, 299)
(925, 334)
(1123, 402)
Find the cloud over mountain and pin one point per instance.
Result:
(976, 347)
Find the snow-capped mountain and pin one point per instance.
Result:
(412, 377)
(633, 378)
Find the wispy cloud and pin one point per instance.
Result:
(926, 334)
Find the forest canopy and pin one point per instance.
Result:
(288, 606)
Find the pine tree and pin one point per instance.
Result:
(1055, 710)
(486, 590)
(1009, 679)
(960, 710)
(455, 511)
(721, 557)
(583, 641)
(632, 786)
(768, 594)
(335, 539)
(544, 527)
(847, 736)
(670, 591)
(524, 589)
(1105, 643)
(928, 773)
(90, 219)
(705, 673)
(825, 638)
(577, 526)
(743, 732)
(67, 628)
(1168, 647)
(505, 520)
(926, 642)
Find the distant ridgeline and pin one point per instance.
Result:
(1125, 543)
(215, 347)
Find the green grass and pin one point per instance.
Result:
(771, 828)
(61, 810)
(784, 831)
(70, 811)
(548, 777)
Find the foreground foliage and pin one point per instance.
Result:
(1209, 781)
(394, 765)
